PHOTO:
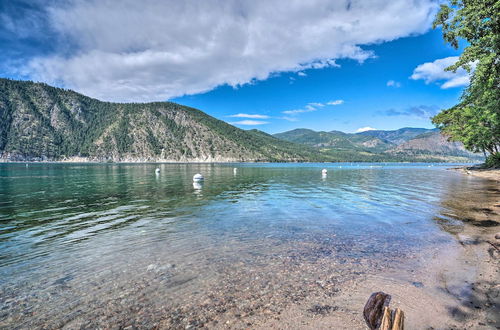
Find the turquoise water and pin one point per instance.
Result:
(129, 247)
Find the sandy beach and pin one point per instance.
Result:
(490, 174)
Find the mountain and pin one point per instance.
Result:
(397, 136)
(40, 122)
(431, 143)
(405, 144)
(334, 140)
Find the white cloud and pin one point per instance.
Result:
(364, 129)
(312, 106)
(302, 74)
(434, 71)
(155, 50)
(245, 115)
(459, 80)
(249, 122)
(393, 83)
(296, 111)
(289, 118)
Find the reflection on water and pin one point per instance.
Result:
(89, 245)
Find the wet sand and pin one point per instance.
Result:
(490, 174)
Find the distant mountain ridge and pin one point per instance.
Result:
(397, 136)
(406, 143)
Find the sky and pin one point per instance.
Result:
(348, 65)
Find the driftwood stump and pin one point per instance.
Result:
(378, 315)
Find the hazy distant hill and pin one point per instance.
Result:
(334, 139)
(406, 144)
(39, 122)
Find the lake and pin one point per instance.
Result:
(88, 245)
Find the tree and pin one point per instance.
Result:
(475, 121)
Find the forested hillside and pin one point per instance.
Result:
(40, 122)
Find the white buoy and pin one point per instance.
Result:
(235, 171)
(197, 185)
(198, 177)
(157, 171)
(324, 171)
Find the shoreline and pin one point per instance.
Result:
(2, 161)
(485, 173)
(454, 288)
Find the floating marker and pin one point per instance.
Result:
(235, 170)
(197, 185)
(198, 177)
(157, 171)
(324, 171)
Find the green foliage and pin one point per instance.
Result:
(492, 161)
(475, 121)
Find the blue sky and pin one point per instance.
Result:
(324, 65)
(368, 100)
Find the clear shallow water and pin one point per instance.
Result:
(128, 247)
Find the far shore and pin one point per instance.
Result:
(3, 161)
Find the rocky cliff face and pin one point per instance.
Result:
(39, 122)
(432, 143)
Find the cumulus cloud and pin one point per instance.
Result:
(302, 74)
(249, 122)
(155, 50)
(364, 129)
(311, 107)
(393, 83)
(245, 115)
(434, 71)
